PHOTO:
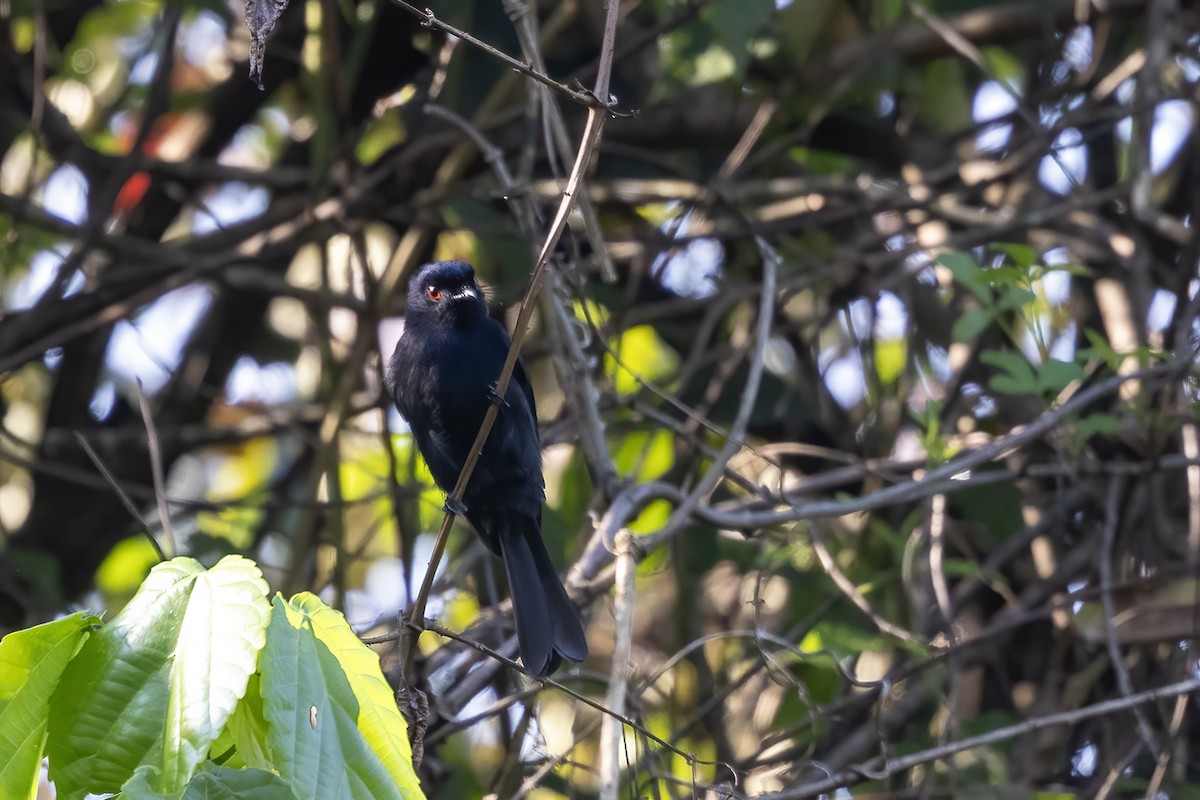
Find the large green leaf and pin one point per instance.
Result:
(31, 662)
(379, 719)
(158, 684)
(333, 729)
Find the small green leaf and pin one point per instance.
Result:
(967, 274)
(1102, 424)
(1102, 350)
(1019, 377)
(971, 324)
(1054, 376)
(1014, 298)
(1022, 255)
(31, 663)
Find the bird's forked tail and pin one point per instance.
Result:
(548, 629)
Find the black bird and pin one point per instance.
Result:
(442, 378)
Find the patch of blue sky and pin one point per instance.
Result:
(1056, 284)
(844, 379)
(1077, 48)
(891, 317)
(1162, 308)
(143, 69)
(150, 348)
(270, 384)
(65, 194)
(1173, 123)
(232, 203)
(203, 38)
(1063, 346)
(43, 269)
(993, 101)
(1066, 167)
(692, 271)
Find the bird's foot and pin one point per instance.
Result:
(495, 398)
(456, 507)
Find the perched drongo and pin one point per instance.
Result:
(442, 378)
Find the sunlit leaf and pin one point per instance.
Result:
(156, 685)
(380, 136)
(890, 358)
(645, 455)
(123, 569)
(643, 354)
(31, 663)
(248, 727)
(334, 729)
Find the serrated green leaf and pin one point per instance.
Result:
(1094, 424)
(1014, 364)
(971, 324)
(313, 715)
(1015, 297)
(1102, 349)
(967, 274)
(31, 663)
(1022, 255)
(1006, 384)
(156, 685)
(1053, 376)
(1019, 377)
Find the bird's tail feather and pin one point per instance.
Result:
(548, 629)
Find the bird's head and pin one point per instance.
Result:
(446, 291)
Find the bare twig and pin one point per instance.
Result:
(882, 770)
(612, 734)
(120, 493)
(430, 20)
(156, 467)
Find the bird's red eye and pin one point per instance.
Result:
(434, 293)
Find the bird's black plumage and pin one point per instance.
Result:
(441, 377)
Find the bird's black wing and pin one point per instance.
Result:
(522, 382)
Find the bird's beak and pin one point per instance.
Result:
(467, 293)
